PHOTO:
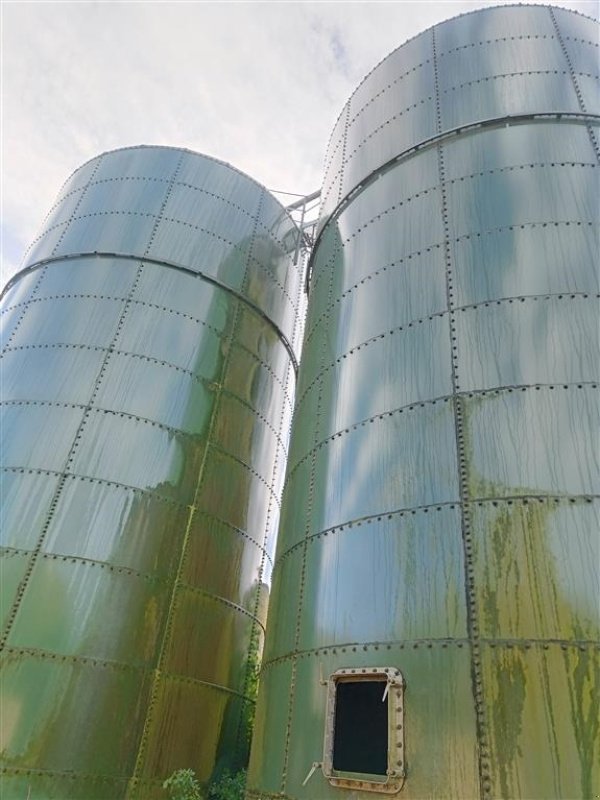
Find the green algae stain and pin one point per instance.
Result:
(583, 679)
(533, 583)
(507, 712)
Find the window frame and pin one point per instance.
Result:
(393, 686)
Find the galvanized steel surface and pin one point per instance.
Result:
(145, 419)
(440, 507)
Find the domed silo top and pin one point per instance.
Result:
(476, 69)
(247, 249)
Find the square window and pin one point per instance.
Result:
(364, 729)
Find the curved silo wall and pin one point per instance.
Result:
(148, 374)
(440, 505)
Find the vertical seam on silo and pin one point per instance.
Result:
(255, 631)
(280, 438)
(157, 679)
(344, 150)
(292, 680)
(310, 500)
(575, 82)
(470, 597)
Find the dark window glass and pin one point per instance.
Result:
(360, 740)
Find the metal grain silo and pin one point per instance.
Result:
(438, 554)
(148, 372)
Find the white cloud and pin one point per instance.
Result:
(256, 84)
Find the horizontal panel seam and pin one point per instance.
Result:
(48, 655)
(198, 590)
(159, 219)
(471, 176)
(151, 359)
(212, 445)
(481, 43)
(441, 506)
(433, 642)
(439, 314)
(71, 775)
(438, 246)
(178, 432)
(416, 404)
(468, 128)
(169, 265)
(457, 87)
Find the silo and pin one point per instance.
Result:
(434, 617)
(148, 372)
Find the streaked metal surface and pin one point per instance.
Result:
(145, 419)
(485, 67)
(440, 507)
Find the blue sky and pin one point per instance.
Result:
(258, 84)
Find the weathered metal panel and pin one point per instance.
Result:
(541, 706)
(440, 509)
(147, 387)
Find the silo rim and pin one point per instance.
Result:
(430, 28)
(178, 150)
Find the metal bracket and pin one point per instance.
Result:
(323, 681)
(315, 766)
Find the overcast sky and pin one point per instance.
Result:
(257, 84)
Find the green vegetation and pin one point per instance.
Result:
(183, 785)
(251, 693)
(228, 786)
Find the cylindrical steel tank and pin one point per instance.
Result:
(438, 516)
(147, 381)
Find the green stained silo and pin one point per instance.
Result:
(439, 510)
(147, 380)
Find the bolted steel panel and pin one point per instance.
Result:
(148, 364)
(440, 507)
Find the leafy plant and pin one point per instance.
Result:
(251, 692)
(228, 786)
(183, 785)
